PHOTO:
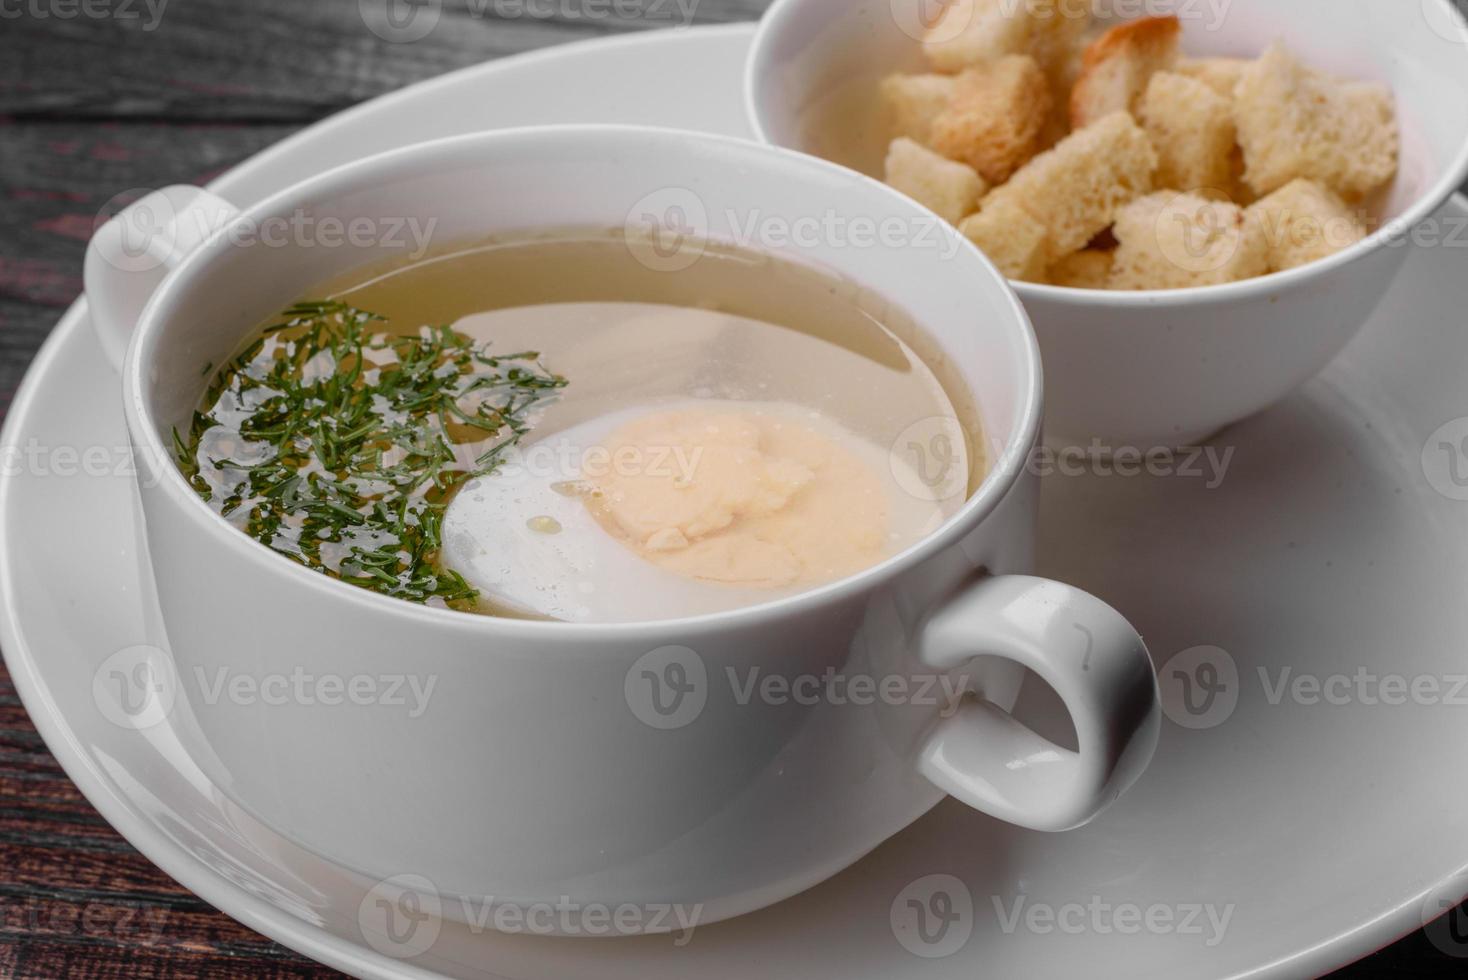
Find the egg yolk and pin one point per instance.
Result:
(739, 497)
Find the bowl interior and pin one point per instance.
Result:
(891, 256)
(815, 64)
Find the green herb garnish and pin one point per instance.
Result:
(339, 444)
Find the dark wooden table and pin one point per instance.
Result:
(99, 96)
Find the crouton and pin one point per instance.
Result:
(1304, 221)
(1075, 189)
(1238, 191)
(1057, 43)
(1060, 58)
(1294, 122)
(1117, 65)
(1192, 130)
(1172, 241)
(1087, 269)
(1013, 241)
(951, 189)
(914, 101)
(995, 116)
(971, 32)
(1220, 74)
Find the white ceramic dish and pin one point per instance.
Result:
(610, 765)
(1169, 368)
(1330, 829)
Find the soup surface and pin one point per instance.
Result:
(550, 428)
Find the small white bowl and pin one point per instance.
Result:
(584, 767)
(1170, 368)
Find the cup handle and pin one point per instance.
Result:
(134, 251)
(1093, 659)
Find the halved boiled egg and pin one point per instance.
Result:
(680, 509)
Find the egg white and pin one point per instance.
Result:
(581, 573)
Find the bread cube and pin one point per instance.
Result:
(1075, 189)
(1089, 268)
(949, 188)
(971, 32)
(1169, 240)
(1117, 65)
(1192, 129)
(1058, 41)
(1304, 221)
(995, 116)
(1010, 237)
(1220, 74)
(1297, 123)
(914, 101)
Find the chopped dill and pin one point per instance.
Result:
(339, 444)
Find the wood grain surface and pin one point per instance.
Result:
(99, 98)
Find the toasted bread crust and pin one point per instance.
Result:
(1192, 128)
(1071, 146)
(942, 185)
(1305, 221)
(971, 32)
(1175, 241)
(1089, 268)
(995, 118)
(912, 102)
(1010, 237)
(1220, 74)
(1075, 189)
(1116, 67)
(1297, 123)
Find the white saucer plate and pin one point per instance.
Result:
(1292, 821)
